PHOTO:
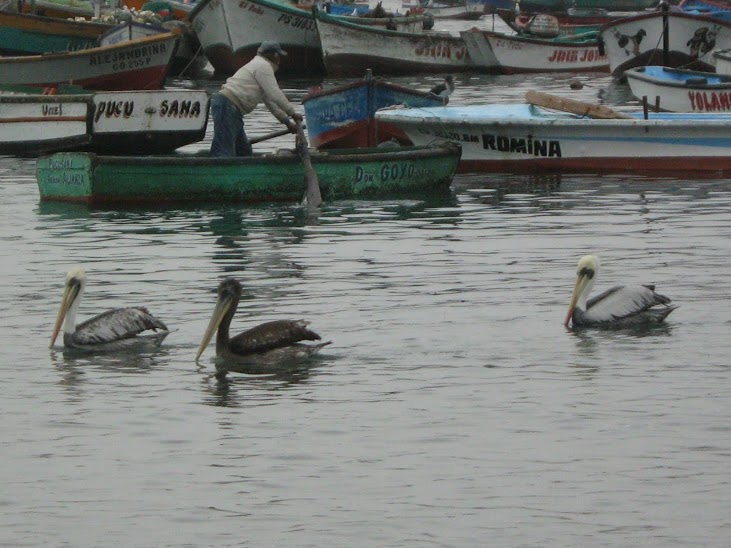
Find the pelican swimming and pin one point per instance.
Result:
(116, 329)
(618, 306)
(261, 349)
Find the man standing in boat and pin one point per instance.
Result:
(241, 93)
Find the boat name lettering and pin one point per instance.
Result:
(388, 172)
(55, 110)
(250, 7)
(296, 22)
(588, 55)
(180, 109)
(327, 113)
(139, 56)
(60, 163)
(451, 135)
(68, 179)
(437, 50)
(114, 109)
(73, 179)
(709, 101)
(533, 147)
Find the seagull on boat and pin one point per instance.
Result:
(616, 307)
(118, 329)
(445, 89)
(267, 348)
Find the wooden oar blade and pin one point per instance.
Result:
(313, 197)
(555, 102)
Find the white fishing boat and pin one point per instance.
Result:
(678, 90)
(350, 50)
(639, 41)
(118, 122)
(526, 138)
(519, 54)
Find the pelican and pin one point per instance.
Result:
(445, 89)
(261, 349)
(116, 329)
(618, 306)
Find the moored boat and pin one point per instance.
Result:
(678, 90)
(230, 31)
(349, 49)
(363, 173)
(525, 138)
(138, 64)
(26, 34)
(344, 116)
(638, 41)
(520, 54)
(117, 122)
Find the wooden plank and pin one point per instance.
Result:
(555, 102)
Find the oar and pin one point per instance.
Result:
(570, 105)
(268, 136)
(313, 198)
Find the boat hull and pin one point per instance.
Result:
(515, 54)
(350, 50)
(677, 90)
(638, 41)
(95, 180)
(120, 122)
(24, 34)
(344, 117)
(525, 139)
(137, 64)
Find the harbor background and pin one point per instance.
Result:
(452, 409)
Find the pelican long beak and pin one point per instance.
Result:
(222, 307)
(70, 293)
(579, 288)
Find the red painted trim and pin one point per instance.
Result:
(709, 165)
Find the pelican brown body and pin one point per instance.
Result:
(267, 348)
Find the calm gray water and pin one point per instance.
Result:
(452, 409)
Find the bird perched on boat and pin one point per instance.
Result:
(616, 307)
(117, 329)
(267, 348)
(445, 89)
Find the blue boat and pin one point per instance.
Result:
(344, 116)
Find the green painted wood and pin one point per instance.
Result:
(363, 173)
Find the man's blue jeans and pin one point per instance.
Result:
(229, 138)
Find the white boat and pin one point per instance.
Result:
(119, 122)
(137, 64)
(678, 90)
(525, 138)
(188, 56)
(520, 54)
(230, 31)
(350, 50)
(638, 41)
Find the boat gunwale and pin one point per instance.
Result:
(445, 149)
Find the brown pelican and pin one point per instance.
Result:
(618, 306)
(265, 348)
(116, 329)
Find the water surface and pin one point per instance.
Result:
(452, 409)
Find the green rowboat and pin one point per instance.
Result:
(357, 173)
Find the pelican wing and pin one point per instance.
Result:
(115, 325)
(621, 302)
(272, 335)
